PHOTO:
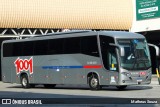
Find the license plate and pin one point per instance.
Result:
(139, 80)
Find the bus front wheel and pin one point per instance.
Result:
(94, 83)
(24, 81)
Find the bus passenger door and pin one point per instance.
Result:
(110, 64)
(113, 66)
(109, 57)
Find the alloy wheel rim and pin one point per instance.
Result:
(24, 81)
(94, 82)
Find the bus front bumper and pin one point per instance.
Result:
(135, 81)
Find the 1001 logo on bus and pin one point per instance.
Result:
(24, 65)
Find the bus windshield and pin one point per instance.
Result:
(137, 55)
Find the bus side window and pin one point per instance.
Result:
(17, 49)
(89, 46)
(55, 46)
(28, 48)
(41, 47)
(72, 45)
(7, 49)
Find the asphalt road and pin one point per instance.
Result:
(75, 92)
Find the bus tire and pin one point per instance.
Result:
(24, 81)
(49, 85)
(94, 83)
(122, 87)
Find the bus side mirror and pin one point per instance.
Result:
(156, 48)
(121, 49)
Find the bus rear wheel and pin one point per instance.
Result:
(49, 85)
(122, 87)
(94, 83)
(24, 81)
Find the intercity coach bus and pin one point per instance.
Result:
(102, 58)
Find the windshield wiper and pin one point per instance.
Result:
(140, 60)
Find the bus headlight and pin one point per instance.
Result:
(126, 74)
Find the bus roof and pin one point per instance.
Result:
(121, 34)
(114, 34)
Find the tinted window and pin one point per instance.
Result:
(56, 46)
(72, 45)
(12, 49)
(28, 48)
(85, 45)
(89, 46)
(7, 49)
(40, 47)
(17, 49)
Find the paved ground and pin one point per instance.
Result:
(8, 90)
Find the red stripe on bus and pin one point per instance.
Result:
(92, 66)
